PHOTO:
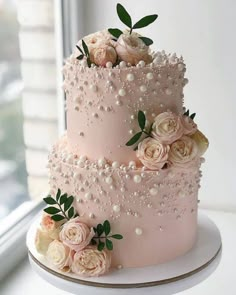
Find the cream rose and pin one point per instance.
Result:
(91, 262)
(167, 128)
(76, 234)
(51, 227)
(131, 49)
(152, 153)
(103, 54)
(42, 241)
(201, 141)
(189, 125)
(183, 152)
(59, 255)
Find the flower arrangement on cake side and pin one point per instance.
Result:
(69, 244)
(171, 140)
(113, 47)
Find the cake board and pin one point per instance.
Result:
(169, 278)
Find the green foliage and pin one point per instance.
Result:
(115, 32)
(145, 21)
(124, 15)
(103, 241)
(192, 116)
(146, 41)
(134, 139)
(63, 208)
(84, 53)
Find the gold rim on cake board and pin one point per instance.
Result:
(123, 286)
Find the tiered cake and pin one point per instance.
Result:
(130, 158)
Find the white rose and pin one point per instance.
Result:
(91, 262)
(42, 241)
(183, 152)
(201, 141)
(59, 255)
(152, 153)
(167, 128)
(131, 49)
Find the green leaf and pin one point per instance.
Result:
(57, 217)
(193, 116)
(71, 212)
(146, 41)
(89, 62)
(49, 200)
(80, 57)
(80, 49)
(85, 47)
(52, 210)
(117, 237)
(95, 229)
(100, 229)
(186, 113)
(141, 119)
(115, 32)
(93, 242)
(123, 15)
(145, 21)
(63, 199)
(109, 244)
(58, 194)
(134, 139)
(68, 203)
(106, 227)
(101, 245)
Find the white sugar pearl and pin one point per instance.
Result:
(84, 63)
(116, 208)
(118, 102)
(115, 164)
(137, 178)
(109, 64)
(140, 99)
(181, 194)
(76, 175)
(153, 191)
(94, 88)
(80, 164)
(91, 215)
(122, 92)
(88, 196)
(180, 67)
(102, 162)
(132, 117)
(122, 64)
(143, 88)
(130, 77)
(138, 231)
(149, 76)
(142, 63)
(132, 164)
(109, 180)
(168, 91)
(83, 158)
(131, 131)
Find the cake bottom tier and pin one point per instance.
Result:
(156, 212)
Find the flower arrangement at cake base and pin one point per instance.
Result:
(69, 244)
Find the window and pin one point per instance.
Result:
(12, 151)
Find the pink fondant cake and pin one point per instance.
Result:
(125, 177)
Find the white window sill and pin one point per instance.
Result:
(23, 281)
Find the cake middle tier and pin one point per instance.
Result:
(103, 103)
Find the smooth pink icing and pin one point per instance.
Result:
(96, 132)
(168, 219)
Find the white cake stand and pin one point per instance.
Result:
(169, 278)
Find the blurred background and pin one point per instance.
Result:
(35, 38)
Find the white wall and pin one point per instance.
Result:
(203, 32)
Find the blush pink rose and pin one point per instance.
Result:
(50, 226)
(183, 152)
(59, 255)
(76, 234)
(189, 125)
(102, 54)
(167, 128)
(152, 153)
(91, 262)
(131, 49)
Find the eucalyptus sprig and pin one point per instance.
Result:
(126, 19)
(192, 116)
(142, 124)
(84, 53)
(102, 236)
(62, 209)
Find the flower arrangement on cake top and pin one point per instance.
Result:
(110, 47)
(171, 140)
(69, 244)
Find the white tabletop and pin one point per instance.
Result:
(23, 281)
